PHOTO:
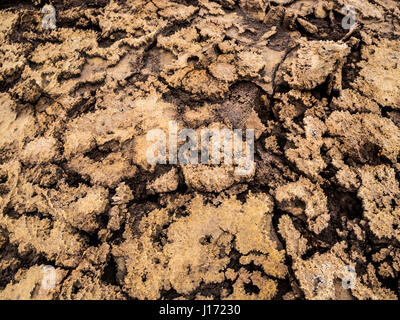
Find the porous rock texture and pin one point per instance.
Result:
(320, 210)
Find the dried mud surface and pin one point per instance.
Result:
(76, 192)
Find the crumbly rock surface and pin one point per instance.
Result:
(317, 218)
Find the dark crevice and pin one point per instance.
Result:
(110, 272)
